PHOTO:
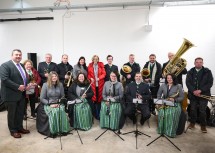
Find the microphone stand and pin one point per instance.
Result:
(162, 133)
(136, 131)
(60, 102)
(109, 129)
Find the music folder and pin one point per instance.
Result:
(76, 101)
(137, 101)
(163, 101)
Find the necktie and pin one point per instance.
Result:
(22, 73)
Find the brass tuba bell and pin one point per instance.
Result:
(126, 69)
(145, 72)
(177, 64)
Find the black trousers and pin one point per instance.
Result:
(32, 100)
(15, 114)
(130, 111)
(154, 90)
(202, 104)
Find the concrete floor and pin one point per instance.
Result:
(192, 142)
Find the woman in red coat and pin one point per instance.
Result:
(34, 80)
(96, 74)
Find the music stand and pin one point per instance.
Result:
(75, 102)
(59, 102)
(110, 100)
(136, 101)
(164, 103)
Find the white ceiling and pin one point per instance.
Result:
(38, 5)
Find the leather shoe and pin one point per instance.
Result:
(24, 131)
(16, 135)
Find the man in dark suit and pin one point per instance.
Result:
(63, 68)
(13, 86)
(199, 82)
(139, 90)
(183, 72)
(110, 67)
(153, 79)
(45, 67)
(135, 68)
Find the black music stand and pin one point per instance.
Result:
(164, 103)
(76, 129)
(59, 102)
(109, 129)
(136, 131)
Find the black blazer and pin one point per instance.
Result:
(131, 90)
(109, 69)
(205, 82)
(44, 66)
(135, 68)
(62, 70)
(11, 79)
(158, 74)
(72, 95)
(179, 77)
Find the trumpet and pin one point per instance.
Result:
(68, 82)
(209, 98)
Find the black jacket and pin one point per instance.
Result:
(62, 70)
(11, 79)
(204, 84)
(135, 68)
(158, 74)
(109, 69)
(131, 91)
(43, 66)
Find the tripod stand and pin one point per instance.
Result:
(162, 133)
(136, 131)
(75, 128)
(109, 129)
(60, 133)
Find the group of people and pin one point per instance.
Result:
(96, 91)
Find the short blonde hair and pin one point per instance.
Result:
(94, 57)
(26, 61)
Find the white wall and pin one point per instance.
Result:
(116, 32)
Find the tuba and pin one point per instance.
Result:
(68, 82)
(126, 69)
(177, 64)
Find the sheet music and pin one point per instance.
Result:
(137, 101)
(163, 101)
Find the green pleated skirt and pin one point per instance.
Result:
(58, 120)
(115, 114)
(82, 116)
(170, 120)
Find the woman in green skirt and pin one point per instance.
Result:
(80, 112)
(168, 119)
(111, 110)
(51, 117)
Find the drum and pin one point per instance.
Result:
(110, 117)
(82, 116)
